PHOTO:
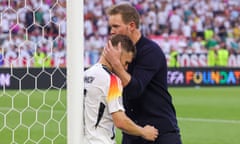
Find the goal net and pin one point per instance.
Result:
(36, 104)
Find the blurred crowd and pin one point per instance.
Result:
(33, 32)
(178, 26)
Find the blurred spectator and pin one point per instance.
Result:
(11, 55)
(1, 57)
(173, 60)
(222, 55)
(29, 18)
(165, 44)
(51, 31)
(41, 59)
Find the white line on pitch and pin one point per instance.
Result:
(209, 120)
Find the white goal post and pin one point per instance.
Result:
(41, 71)
(75, 68)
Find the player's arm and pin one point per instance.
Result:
(124, 123)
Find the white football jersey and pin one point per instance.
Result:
(102, 96)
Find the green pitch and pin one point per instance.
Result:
(206, 116)
(33, 117)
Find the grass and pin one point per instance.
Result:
(206, 115)
(214, 112)
(33, 116)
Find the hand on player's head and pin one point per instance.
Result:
(111, 53)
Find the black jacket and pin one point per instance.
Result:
(146, 97)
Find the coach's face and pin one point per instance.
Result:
(117, 25)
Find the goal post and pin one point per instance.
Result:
(41, 71)
(75, 68)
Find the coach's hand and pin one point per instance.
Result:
(150, 133)
(112, 54)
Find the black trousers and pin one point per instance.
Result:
(166, 138)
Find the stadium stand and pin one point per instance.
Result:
(190, 27)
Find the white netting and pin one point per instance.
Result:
(32, 76)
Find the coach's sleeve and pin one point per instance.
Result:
(148, 64)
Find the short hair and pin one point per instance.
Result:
(128, 13)
(126, 43)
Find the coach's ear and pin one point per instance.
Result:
(132, 26)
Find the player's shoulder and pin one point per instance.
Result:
(97, 72)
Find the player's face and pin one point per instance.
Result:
(126, 58)
(117, 25)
